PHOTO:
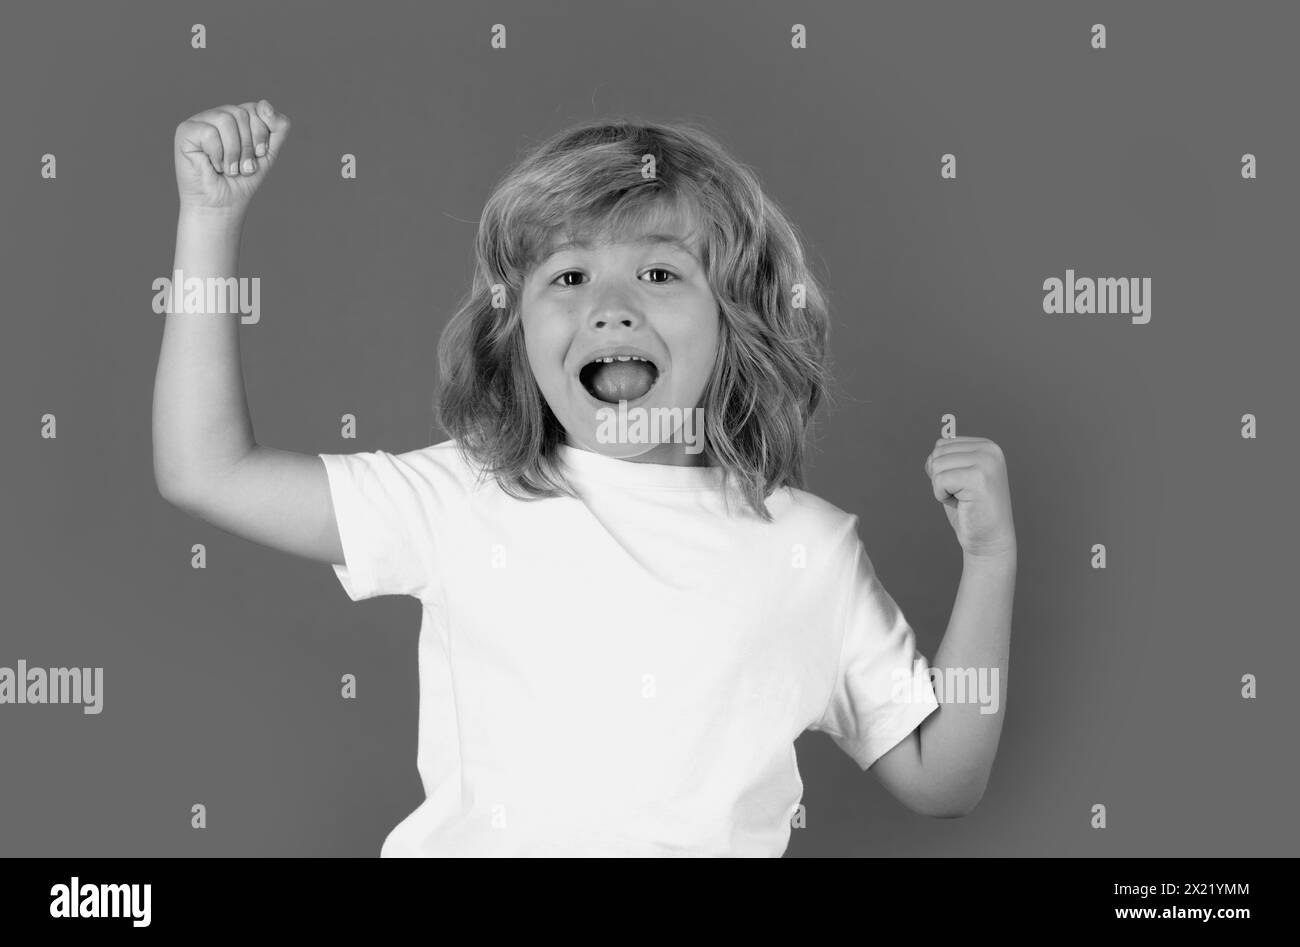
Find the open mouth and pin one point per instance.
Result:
(615, 378)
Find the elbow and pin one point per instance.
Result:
(186, 485)
(166, 476)
(952, 810)
(167, 482)
(953, 805)
(180, 492)
(192, 484)
(171, 491)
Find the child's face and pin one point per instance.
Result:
(640, 296)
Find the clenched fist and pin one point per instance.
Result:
(223, 154)
(968, 475)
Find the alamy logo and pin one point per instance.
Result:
(78, 900)
(642, 425)
(213, 294)
(1125, 295)
(950, 685)
(24, 685)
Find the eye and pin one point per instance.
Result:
(564, 274)
(655, 269)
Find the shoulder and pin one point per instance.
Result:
(800, 509)
(438, 470)
(446, 458)
(444, 467)
(814, 522)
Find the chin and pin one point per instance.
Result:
(588, 441)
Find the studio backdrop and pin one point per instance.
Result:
(1066, 227)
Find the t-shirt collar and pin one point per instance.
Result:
(588, 465)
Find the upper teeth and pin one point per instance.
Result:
(620, 358)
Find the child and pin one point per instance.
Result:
(622, 637)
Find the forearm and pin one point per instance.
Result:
(959, 742)
(201, 423)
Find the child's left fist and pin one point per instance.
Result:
(968, 475)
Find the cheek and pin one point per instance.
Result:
(703, 347)
(549, 374)
(540, 348)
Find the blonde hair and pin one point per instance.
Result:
(769, 376)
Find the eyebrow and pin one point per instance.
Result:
(650, 238)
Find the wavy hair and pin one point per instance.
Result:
(770, 374)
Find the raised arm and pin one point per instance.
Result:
(206, 460)
(942, 768)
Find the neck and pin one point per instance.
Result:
(668, 454)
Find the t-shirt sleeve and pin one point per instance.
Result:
(387, 509)
(881, 690)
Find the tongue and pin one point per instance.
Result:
(621, 381)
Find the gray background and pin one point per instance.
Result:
(222, 686)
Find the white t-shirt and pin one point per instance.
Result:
(625, 673)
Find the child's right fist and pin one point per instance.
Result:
(223, 154)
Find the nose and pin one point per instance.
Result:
(613, 308)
